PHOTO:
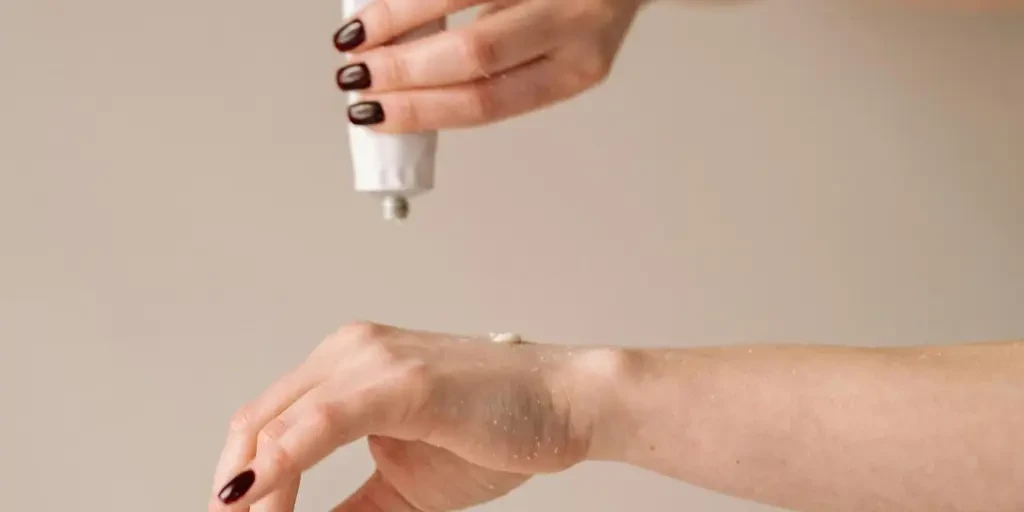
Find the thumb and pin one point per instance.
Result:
(376, 495)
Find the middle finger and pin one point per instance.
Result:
(281, 500)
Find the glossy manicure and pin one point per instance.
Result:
(354, 77)
(237, 487)
(349, 36)
(366, 112)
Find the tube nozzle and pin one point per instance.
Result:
(395, 208)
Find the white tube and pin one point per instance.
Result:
(392, 167)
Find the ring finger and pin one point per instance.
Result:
(499, 42)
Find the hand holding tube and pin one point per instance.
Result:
(518, 56)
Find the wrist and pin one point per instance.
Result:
(603, 384)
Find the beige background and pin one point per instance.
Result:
(178, 226)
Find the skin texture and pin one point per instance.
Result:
(937, 428)
(453, 422)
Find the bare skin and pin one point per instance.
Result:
(454, 422)
(830, 428)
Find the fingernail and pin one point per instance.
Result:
(366, 112)
(349, 36)
(237, 487)
(354, 77)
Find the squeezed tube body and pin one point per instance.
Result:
(392, 167)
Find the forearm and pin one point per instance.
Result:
(818, 428)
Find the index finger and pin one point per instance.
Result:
(246, 423)
(378, 22)
(311, 429)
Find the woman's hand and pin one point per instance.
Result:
(519, 55)
(452, 422)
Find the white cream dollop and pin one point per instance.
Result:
(507, 338)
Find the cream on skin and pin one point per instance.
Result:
(453, 422)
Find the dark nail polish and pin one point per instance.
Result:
(354, 77)
(237, 487)
(349, 36)
(366, 112)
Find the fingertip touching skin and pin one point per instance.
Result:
(519, 56)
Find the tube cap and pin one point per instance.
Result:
(395, 207)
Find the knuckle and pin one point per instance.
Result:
(270, 448)
(479, 51)
(360, 331)
(397, 72)
(243, 420)
(322, 352)
(593, 67)
(537, 92)
(381, 355)
(270, 434)
(407, 115)
(278, 458)
(381, 17)
(482, 103)
(322, 419)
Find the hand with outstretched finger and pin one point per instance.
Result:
(451, 422)
(518, 56)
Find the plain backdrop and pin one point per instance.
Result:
(178, 226)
